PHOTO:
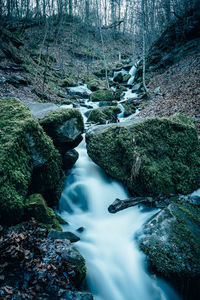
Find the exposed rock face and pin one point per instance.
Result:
(27, 156)
(101, 115)
(172, 242)
(65, 127)
(157, 155)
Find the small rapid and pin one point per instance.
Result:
(116, 268)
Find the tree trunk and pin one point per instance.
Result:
(143, 47)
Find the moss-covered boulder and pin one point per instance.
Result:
(103, 114)
(65, 127)
(157, 155)
(27, 155)
(171, 241)
(118, 78)
(94, 83)
(103, 95)
(37, 208)
(68, 81)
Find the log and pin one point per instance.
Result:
(118, 204)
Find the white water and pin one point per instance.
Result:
(132, 72)
(116, 268)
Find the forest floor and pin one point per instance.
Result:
(179, 91)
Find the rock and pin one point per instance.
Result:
(65, 127)
(159, 155)
(53, 234)
(69, 159)
(118, 78)
(81, 91)
(157, 91)
(29, 163)
(72, 255)
(68, 81)
(171, 240)
(103, 95)
(39, 110)
(103, 114)
(80, 229)
(94, 83)
(126, 77)
(37, 208)
(69, 295)
(136, 87)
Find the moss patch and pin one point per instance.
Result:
(101, 115)
(25, 148)
(36, 207)
(103, 95)
(158, 155)
(172, 241)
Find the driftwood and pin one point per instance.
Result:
(118, 204)
(160, 201)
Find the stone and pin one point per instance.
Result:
(69, 159)
(103, 114)
(159, 155)
(65, 127)
(171, 241)
(29, 163)
(53, 234)
(136, 87)
(118, 78)
(81, 91)
(37, 208)
(103, 95)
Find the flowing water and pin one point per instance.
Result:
(116, 268)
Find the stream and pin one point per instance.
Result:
(116, 268)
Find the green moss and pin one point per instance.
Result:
(24, 148)
(168, 149)
(172, 240)
(37, 208)
(103, 95)
(101, 115)
(68, 81)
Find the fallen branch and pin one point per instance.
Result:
(118, 204)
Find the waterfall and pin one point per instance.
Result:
(132, 72)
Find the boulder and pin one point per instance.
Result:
(171, 240)
(152, 157)
(103, 114)
(54, 234)
(37, 208)
(118, 78)
(103, 95)
(65, 127)
(68, 81)
(80, 90)
(29, 163)
(69, 159)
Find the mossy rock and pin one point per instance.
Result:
(101, 115)
(103, 95)
(65, 127)
(119, 78)
(37, 208)
(171, 240)
(126, 77)
(26, 154)
(94, 83)
(68, 81)
(155, 156)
